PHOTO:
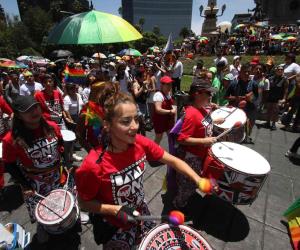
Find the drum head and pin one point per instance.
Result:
(167, 237)
(241, 158)
(236, 116)
(68, 135)
(54, 208)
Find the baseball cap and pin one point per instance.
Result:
(24, 103)
(166, 80)
(201, 84)
(27, 73)
(229, 77)
(236, 57)
(213, 70)
(255, 60)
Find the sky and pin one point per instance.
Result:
(112, 6)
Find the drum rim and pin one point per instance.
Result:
(247, 173)
(60, 219)
(238, 109)
(165, 226)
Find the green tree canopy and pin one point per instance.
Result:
(184, 32)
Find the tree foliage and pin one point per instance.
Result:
(184, 32)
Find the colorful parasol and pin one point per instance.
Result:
(239, 26)
(130, 52)
(277, 37)
(290, 39)
(12, 64)
(93, 27)
(99, 55)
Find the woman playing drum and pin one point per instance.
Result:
(31, 151)
(110, 180)
(194, 137)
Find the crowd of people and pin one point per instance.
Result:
(110, 114)
(252, 39)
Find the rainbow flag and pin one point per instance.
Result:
(293, 216)
(73, 75)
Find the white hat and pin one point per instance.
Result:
(236, 57)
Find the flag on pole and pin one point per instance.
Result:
(293, 216)
(73, 75)
(169, 46)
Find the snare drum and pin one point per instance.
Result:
(240, 171)
(58, 212)
(233, 115)
(165, 236)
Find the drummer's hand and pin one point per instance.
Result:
(28, 193)
(219, 120)
(208, 186)
(209, 140)
(214, 106)
(173, 111)
(126, 214)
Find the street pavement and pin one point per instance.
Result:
(259, 226)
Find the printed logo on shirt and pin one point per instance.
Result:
(207, 123)
(55, 109)
(44, 152)
(127, 185)
(2, 124)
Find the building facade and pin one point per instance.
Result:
(240, 18)
(169, 16)
(281, 11)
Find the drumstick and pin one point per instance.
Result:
(230, 113)
(51, 210)
(175, 218)
(226, 146)
(65, 187)
(236, 125)
(47, 199)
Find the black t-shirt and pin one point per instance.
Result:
(241, 88)
(277, 85)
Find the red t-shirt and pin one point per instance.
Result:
(51, 106)
(118, 178)
(4, 109)
(44, 153)
(197, 123)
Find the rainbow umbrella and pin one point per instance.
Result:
(130, 52)
(93, 27)
(239, 26)
(290, 39)
(277, 37)
(203, 40)
(12, 65)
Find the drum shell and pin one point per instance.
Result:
(231, 116)
(66, 224)
(63, 224)
(242, 191)
(235, 135)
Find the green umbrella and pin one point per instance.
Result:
(132, 52)
(277, 37)
(93, 27)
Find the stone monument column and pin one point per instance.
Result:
(210, 15)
